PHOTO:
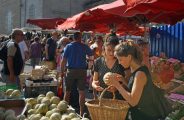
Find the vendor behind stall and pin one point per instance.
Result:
(13, 64)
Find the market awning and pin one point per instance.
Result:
(46, 23)
(159, 11)
(97, 20)
(144, 11)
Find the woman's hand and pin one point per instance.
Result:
(96, 86)
(112, 89)
(112, 79)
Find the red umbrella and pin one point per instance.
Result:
(46, 23)
(155, 6)
(117, 7)
(160, 11)
(96, 20)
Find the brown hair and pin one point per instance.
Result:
(109, 43)
(15, 32)
(129, 48)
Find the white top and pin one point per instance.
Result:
(23, 48)
(94, 45)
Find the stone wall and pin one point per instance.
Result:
(14, 13)
(9, 15)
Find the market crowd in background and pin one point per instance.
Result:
(82, 63)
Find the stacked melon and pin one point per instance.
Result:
(12, 94)
(7, 114)
(49, 107)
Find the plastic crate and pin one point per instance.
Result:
(4, 87)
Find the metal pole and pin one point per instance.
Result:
(25, 13)
(70, 8)
(20, 5)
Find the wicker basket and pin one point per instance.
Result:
(107, 109)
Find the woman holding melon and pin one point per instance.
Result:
(140, 85)
(104, 64)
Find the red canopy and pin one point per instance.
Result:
(118, 7)
(96, 20)
(160, 11)
(154, 6)
(46, 23)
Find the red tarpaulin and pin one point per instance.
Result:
(97, 20)
(46, 23)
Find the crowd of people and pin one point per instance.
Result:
(127, 61)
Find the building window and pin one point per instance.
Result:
(32, 11)
(9, 22)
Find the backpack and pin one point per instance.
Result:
(4, 50)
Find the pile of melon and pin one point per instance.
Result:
(10, 94)
(7, 114)
(49, 107)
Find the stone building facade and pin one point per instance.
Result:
(14, 13)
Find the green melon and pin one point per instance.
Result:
(50, 94)
(62, 106)
(55, 116)
(52, 106)
(42, 109)
(46, 101)
(9, 92)
(44, 118)
(55, 100)
(49, 113)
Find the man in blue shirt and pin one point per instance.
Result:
(74, 59)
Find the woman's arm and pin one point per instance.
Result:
(95, 83)
(137, 89)
(134, 96)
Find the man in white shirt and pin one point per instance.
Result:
(24, 50)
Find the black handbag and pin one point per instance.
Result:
(161, 103)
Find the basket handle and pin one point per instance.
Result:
(102, 94)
